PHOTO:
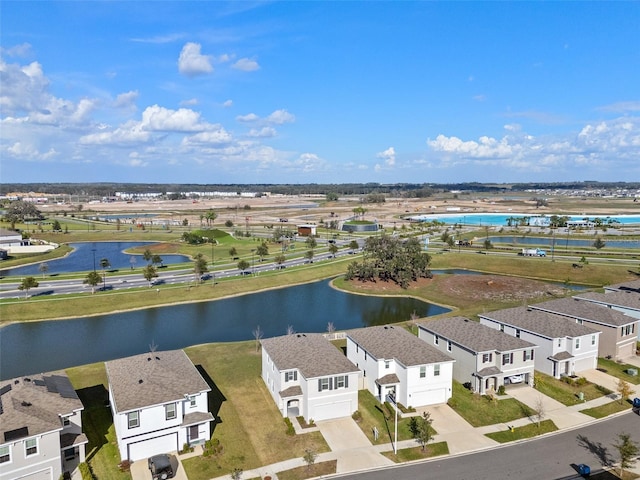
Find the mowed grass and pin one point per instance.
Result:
(479, 410)
(417, 453)
(526, 431)
(607, 409)
(568, 394)
(250, 428)
(90, 381)
(313, 471)
(619, 370)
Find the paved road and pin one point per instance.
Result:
(547, 458)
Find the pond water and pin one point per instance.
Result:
(561, 241)
(32, 347)
(484, 219)
(87, 255)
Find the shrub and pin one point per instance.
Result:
(124, 466)
(290, 430)
(85, 471)
(501, 390)
(581, 381)
(357, 416)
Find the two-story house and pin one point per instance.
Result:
(618, 331)
(565, 347)
(40, 427)
(625, 300)
(306, 375)
(393, 361)
(159, 403)
(485, 358)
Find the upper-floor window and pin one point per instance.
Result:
(170, 411)
(291, 376)
(507, 358)
(501, 328)
(133, 419)
(577, 343)
(593, 340)
(5, 454)
(436, 370)
(436, 339)
(65, 421)
(323, 384)
(192, 401)
(448, 346)
(487, 357)
(387, 364)
(30, 447)
(333, 383)
(527, 355)
(423, 371)
(340, 381)
(559, 342)
(517, 333)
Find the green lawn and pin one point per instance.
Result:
(417, 453)
(374, 414)
(316, 470)
(607, 409)
(565, 393)
(527, 431)
(618, 370)
(479, 410)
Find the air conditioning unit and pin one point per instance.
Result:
(632, 371)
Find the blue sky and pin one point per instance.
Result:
(319, 92)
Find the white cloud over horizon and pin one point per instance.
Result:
(192, 62)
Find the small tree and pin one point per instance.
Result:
(243, 265)
(280, 259)
(199, 266)
(627, 449)
(56, 226)
(236, 474)
(233, 252)
(353, 245)
(311, 243)
(262, 251)
(92, 279)
(257, 334)
(624, 389)
(44, 268)
(599, 243)
(156, 260)
(27, 284)
(333, 249)
(149, 273)
(309, 457)
(147, 255)
(540, 411)
(309, 255)
(420, 428)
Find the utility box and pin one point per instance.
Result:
(632, 371)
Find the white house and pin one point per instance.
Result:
(10, 238)
(40, 427)
(618, 331)
(485, 358)
(565, 346)
(393, 361)
(159, 403)
(306, 375)
(625, 300)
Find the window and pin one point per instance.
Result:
(517, 333)
(502, 328)
(448, 346)
(507, 358)
(593, 340)
(487, 357)
(192, 401)
(133, 418)
(436, 340)
(323, 384)
(559, 342)
(423, 371)
(65, 421)
(341, 382)
(170, 411)
(628, 329)
(31, 447)
(436, 370)
(5, 454)
(387, 364)
(291, 376)
(527, 355)
(577, 344)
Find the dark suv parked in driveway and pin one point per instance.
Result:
(160, 466)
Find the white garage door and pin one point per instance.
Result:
(584, 364)
(46, 474)
(428, 397)
(330, 410)
(153, 446)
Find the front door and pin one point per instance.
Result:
(193, 433)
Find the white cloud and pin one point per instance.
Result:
(479, 98)
(191, 62)
(189, 103)
(250, 117)
(246, 65)
(22, 50)
(160, 119)
(29, 152)
(218, 136)
(280, 117)
(389, 156)
(160, 39)
(621, 107)
(127, 100)
(130, 133)
(264, 132)
(227, 103)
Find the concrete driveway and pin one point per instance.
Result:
(140, 469)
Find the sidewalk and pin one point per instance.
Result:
(353, 451)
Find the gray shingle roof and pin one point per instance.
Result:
(621, 298)
(388, 342)
(310, 353)
(560, 356)
(33, 406)
(389, 379)
(474, 336)
(153, 379)
(585, 310)
(549, 325)
(625, 286)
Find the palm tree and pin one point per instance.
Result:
(210, 216)
(104, 263)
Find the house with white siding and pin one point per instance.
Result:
(396, 362)
(625, 299)
(485, 359)
(159, 402)
(40, 427)
(307, 376)
(565, 346)
(618, 331)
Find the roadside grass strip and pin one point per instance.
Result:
(568, 393)
(519, 433)
(316, 470)
(417, 453)
(618, 370)
(480, 410)
(607, 409)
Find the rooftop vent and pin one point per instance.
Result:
(27, 379)
(140, 381)
(148, 359)
(26, 404)
(157, 358)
